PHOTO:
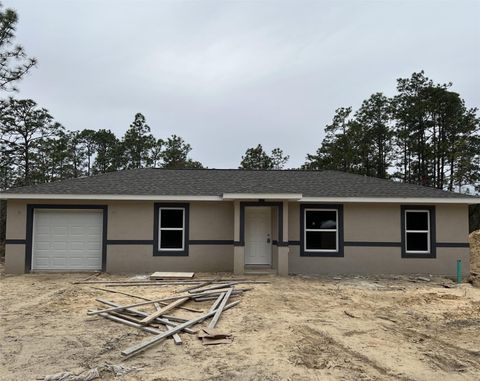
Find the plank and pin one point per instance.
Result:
(210, 293)
(217, 302)
(216, 287)
(220, 308)
(164, 309)
(208, 282)
(142, 346)
(142, 298)
(144, 314)
(130, 323)
(171, 275)
(176, 338)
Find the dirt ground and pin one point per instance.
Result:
(295, 328)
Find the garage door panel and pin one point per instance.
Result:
(67, 240)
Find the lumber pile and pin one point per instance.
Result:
(163, 322)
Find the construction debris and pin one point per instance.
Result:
(171, 275)
(212, 336)
(90, 374)
(164, 315)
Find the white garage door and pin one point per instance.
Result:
(67, 240)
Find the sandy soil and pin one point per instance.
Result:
(294, 328)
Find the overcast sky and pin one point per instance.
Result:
(227, 75)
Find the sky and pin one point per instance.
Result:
(228, 75)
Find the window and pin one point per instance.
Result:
(417, 231)
(321, 231)
(171, 229)
(171, 235)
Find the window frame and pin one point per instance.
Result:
(339, 252)
(305, 230)
(431, 233)
(160, 229)
(406, 211)
(157, 233)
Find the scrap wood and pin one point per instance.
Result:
(142, 298)
(171, 275)
(199, 285)
(90, 374)
(175, 336)
(212, 336)
(162, 310)
(136, 349)
(217, 302)
(130, 323)
(220, 308)
(211, 293)
(144, 314)
(215, 287)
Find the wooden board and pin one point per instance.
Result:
(171, 275)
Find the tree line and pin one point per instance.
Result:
(36, 149)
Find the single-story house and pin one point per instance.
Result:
(209, 220)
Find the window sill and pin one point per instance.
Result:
(419, 255)
(170, 253)
(321, 254)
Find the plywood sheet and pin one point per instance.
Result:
(171, 275)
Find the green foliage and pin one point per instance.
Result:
(14, 62)
(137, 144)
(257, 158)
(175, 154)
(424, 135)
(26, 132)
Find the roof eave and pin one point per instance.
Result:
(243, 196)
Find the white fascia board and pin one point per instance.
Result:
(396, 200)
(263, 196)
(112, 197)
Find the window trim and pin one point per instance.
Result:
(160, 229)
(431, 253)
(339, 252)
(305, 230)
(157, 250)
(406, 211)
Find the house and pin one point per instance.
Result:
(289, 221)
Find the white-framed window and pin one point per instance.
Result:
(417, 231)
(320, 230)
(171, 234)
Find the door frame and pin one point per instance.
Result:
(270, 254)
(29, 228)
(279, 205)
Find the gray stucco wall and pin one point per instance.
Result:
(382, 223)
(215, 221)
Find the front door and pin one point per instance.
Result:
(258, 235)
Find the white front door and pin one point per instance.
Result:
(258, 235)
(66, 239)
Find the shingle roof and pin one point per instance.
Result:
(215, 182)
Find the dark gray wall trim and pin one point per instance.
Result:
(170, 253)
(453, 244)
(294, 243)
(372, 244)
(15, 241)
(130, 242)
(340, 251)
(29, 228)
(238, 243)
(211, 242)
(433, 239)
(278, 205)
